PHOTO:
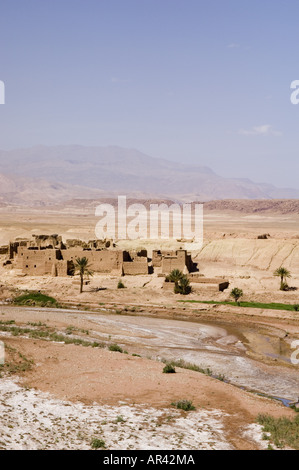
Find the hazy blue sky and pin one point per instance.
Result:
(200, 81)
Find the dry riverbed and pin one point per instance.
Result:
(72, 394)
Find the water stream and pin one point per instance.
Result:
(236, 353)
(221, 348)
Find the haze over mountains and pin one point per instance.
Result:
(42, 174)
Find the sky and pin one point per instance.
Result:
(205, 82)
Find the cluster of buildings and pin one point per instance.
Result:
(49, 255)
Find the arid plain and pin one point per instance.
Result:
(125, 398)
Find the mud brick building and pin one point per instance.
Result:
(169, 260)
(49, 255)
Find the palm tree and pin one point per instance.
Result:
(184, 287)
(82, 266)
(236, 293)
(175, 276)
(283, 273)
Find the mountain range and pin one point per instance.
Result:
(45, 174)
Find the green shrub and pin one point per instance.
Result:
(120, 285)
(35, 298)
(98, 444)
(169, 369)
(282, 432)
(236, 293)
(185, 405)
(115, 347)
(120, 419)
(220, 377)
(96, 344)
(188, 365)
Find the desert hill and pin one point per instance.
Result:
(38, 191)
(245, 206)
(226, 206)
(42, 174)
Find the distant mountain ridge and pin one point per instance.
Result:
(43, 174)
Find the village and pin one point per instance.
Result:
(44, 255)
